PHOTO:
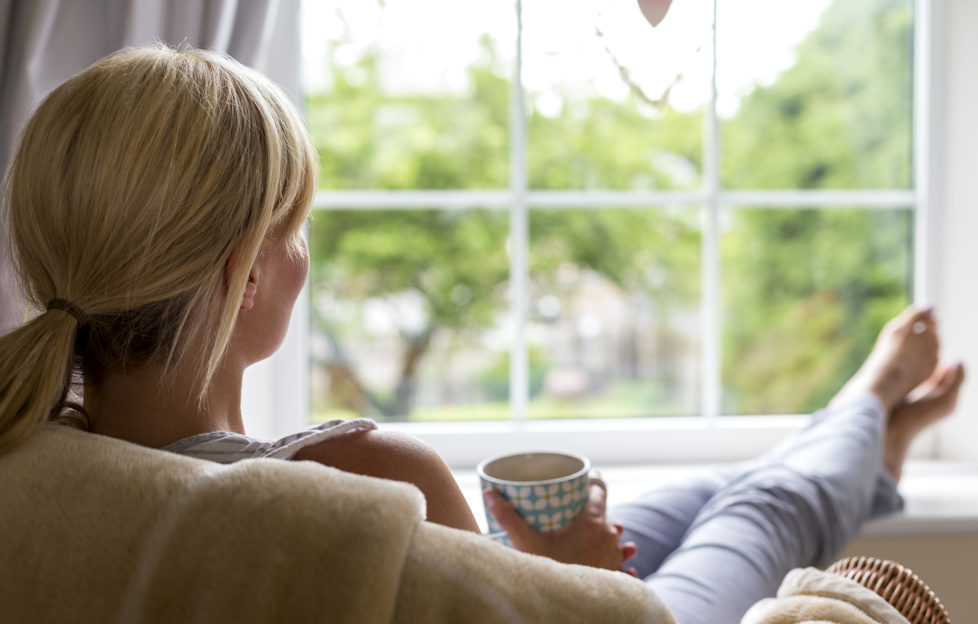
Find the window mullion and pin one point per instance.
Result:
(925, 259)
(710, 258)
(925, 266)
(519, 386)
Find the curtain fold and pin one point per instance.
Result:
(45, 42)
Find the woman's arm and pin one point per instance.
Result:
(400, 457)
(589, 540)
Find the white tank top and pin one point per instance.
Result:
(225, 447)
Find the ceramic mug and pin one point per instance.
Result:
(547, 488)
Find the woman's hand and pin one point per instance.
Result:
(589, 539)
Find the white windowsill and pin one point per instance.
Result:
(608, 441)
(941, 497)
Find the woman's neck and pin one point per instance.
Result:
(153, 408)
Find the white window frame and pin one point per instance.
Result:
(276, 391)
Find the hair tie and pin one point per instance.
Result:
(70, 308)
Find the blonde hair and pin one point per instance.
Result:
(141, 192)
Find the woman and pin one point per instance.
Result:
(156, 204)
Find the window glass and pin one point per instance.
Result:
(397, 100)
(823, 101)
(614, 312)
(612, 102)
(805, 291)
(408, 314)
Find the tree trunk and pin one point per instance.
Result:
(404, 393)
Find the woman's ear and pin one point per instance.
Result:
(248, 299)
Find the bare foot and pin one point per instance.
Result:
(904, 356)
(932, 401)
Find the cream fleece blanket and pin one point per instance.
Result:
(98, 530)
(811, 596)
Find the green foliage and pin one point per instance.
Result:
(368, 139)
(841, 117)
(494, 380)
(806, 291)
(601, 144)
(455, 261)
(649, 252)
(453, 264)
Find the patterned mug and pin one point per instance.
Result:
(546, 488)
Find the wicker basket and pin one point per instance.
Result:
(897, 585)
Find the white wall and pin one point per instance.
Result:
(956, 179)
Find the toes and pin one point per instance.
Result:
(935, 399)
(951, 381)
(929, 387)
(917, 314)
(944, 383)
(914, 320)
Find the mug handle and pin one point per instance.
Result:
(594, 477)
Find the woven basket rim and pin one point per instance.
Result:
(896, 584)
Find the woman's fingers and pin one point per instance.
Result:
(522, 534)
(589, 539)
(628, 550)
(597, 499)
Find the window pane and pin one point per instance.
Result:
(822, 101)
(805, 294)
(614, 313)
(612, 102)
(395, 100)
(408, 314)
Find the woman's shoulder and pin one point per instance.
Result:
(401, 457)
(368, 450)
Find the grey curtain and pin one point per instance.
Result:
(45, 42)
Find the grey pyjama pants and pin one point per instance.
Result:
(712, 546)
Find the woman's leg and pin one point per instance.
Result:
(657, 521)
(801, 503)
(793, 511)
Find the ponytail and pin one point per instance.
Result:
(36, 366)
